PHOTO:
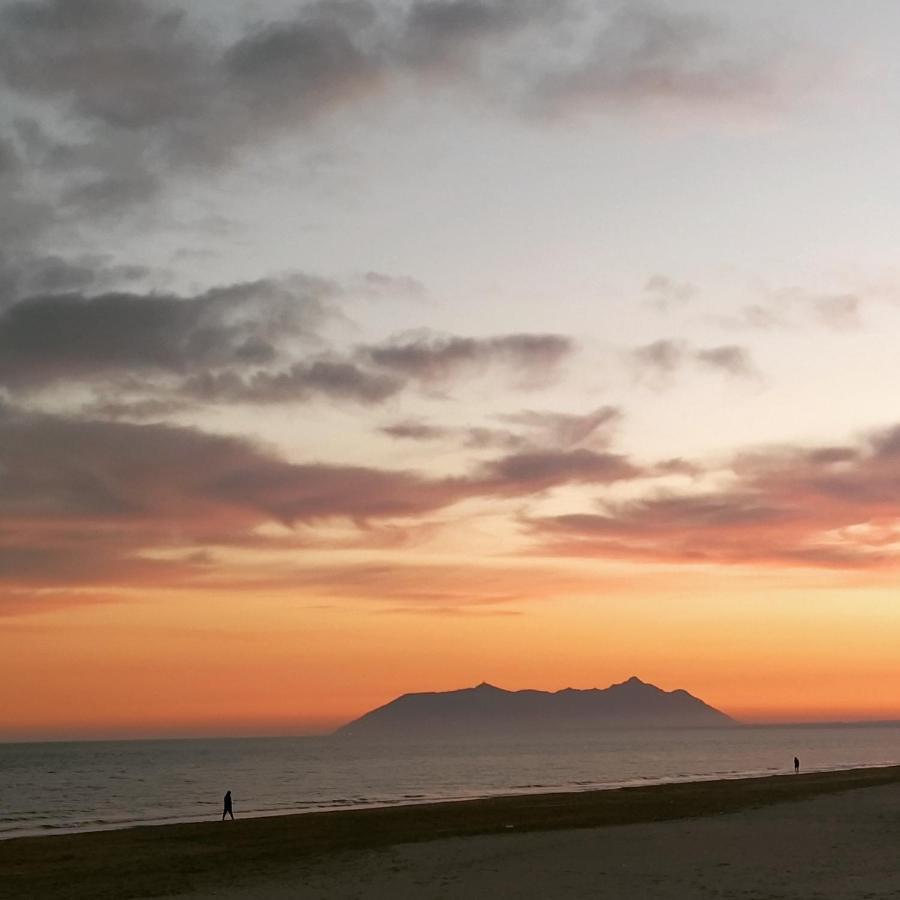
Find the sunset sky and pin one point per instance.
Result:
(352, 348)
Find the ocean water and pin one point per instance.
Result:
(49, 788)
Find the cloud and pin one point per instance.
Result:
(118, 97)
(10, 162)
(290, 71)
(332, 379)
(473, 438)
(115, 97)
(433, 359)
(108, 97)
(53, 337)
(731, 359)
(54, 274)
(840, 312)
(125, 93)
(257, 342)
(566, 429)
(128, 65)
(529, 472)
(661, 357)
(664, 293)
(795, 307)
(762, 318)
(380, 284)
(532, 430)
(93, 502)
(828, 506)
(147, 409)
(659, 361)
(649, 54)
(449, 36)
(412, 430)
(71, 468)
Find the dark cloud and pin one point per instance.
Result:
(532, 358)
(292, 70)
(75, 336)
(55, 274)
(126, 93)
(335, 380)
(109, 193)
(136, 64)
(125, 64)
(115, 96)
(448, 35)
(534, 471)
(256, 342)
(9, 158)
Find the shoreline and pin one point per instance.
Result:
(53, 831)
(158, 860)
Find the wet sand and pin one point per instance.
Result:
(825, 835)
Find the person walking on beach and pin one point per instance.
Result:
(227, 811)
(796, 765)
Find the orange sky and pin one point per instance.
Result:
(175, 663)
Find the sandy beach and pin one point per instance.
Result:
(826, 835)
(840, 846)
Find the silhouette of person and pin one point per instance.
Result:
(796, 765)
(227, 811)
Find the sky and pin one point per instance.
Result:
(355, 348)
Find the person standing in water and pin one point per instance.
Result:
(796, 765)
(227, 811)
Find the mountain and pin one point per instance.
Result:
(491, 710)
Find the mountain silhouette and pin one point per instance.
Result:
(486, 709)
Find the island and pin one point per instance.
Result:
(488, 710)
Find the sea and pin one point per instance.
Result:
(53, 788)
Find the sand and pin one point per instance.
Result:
(843, 846)
(831, 835)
